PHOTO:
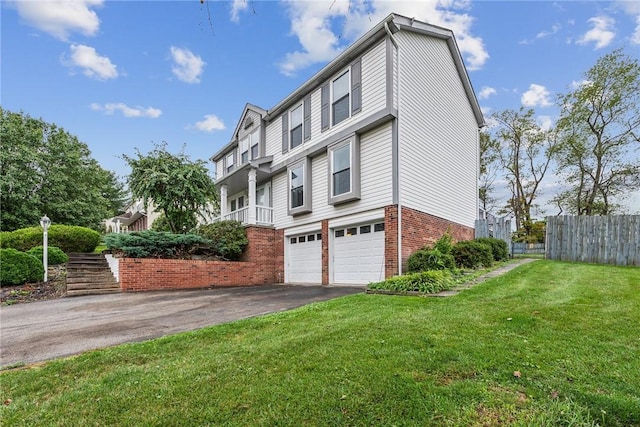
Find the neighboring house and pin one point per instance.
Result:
(137, 217)
(373, 157)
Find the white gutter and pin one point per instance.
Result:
(398, 163)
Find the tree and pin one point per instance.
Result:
(488, 171)
(525, 153)
(46, 170)
(599, 127)
(180, 188)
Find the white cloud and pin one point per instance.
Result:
(321, 26)
(92, 64)
(629, 7)
(545, 122)
(210, 123)
(236, 7)
(602, 32)
(536, 96)
(578, 84)
(187, 66)
(127, 111)
(635, 37)
(486, 92)
(554, 29)
(61, 17)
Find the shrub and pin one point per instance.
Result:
(472, 254)
(69, 238)
(55, 256)
(229, 238)
(18, 267)
(499, 248)
(445, 243)
(427, 282)
(430, 260)
(157, 244)
(161, 224)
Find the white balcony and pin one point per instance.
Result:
(264, 216)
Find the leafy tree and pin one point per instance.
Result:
(525, 154)
(488, 171)
(180, 188)
(46, 170)
(599, 127)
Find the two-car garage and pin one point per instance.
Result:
(355, 254)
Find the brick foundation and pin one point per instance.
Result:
(261, 264)
(418, 229)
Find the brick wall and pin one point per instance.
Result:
(261, 264)
(418, 229)
(325, 252)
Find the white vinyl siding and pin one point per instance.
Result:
(375, 176)
(373, 100)
(438, 133)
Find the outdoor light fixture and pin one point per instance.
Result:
(45, 222)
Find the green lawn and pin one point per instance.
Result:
(572, 331)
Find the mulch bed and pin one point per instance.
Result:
(55, 287)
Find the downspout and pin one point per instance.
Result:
(398, 163)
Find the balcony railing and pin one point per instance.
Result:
(264, 215)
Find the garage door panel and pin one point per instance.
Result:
(358, 254)
(304, 258)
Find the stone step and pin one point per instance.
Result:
(91, 278)
(82, 267)
(82, 292)
(92, 285)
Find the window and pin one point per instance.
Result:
(339, 233)
(352, 231)
(299, 194)
(296, 127)
(294, 240)
(365, 229)
(302, 239)
(244, 150)
(233, 205)
(344, 171)
(240, 202)
(340, 107)
(341, 159)
(297, 187)
(311, 237)
(255, 145)
(379, 227)
(229, 162)
(237, 203)
(319, 236)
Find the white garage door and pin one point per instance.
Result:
(304, 258)
(358, 253)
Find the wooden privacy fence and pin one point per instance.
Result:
(500, 228)
(595, 239)
(522, 248)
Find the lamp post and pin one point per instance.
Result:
(45, 222)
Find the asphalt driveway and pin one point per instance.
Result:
(46, 330)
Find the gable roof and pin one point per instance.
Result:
(234, 136)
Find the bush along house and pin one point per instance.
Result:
(372, 158)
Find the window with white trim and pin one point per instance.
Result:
(299, 190)
(340, 103)
(229, 162)
(244, 150)
(255, 144)
(296, 180)
(295, 133)
(344, 171)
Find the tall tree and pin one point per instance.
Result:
(180, 188)
(599, 127)
(525, 153)
(46, 170)
(488, 171)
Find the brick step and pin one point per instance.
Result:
(92, 285)
(82, 292)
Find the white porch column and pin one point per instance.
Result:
(223, 201)
(252, 196)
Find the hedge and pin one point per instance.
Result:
(426, 282)
(157, 244)
(433, 259)
(499, 248)
(472, 254)
(18, 267)
(69, 238)
(55, 256)
(229, 238)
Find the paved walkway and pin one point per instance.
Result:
(46, 330)
(491, 274)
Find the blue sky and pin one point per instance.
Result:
(126, 74)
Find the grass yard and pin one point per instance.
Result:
(548, 344)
